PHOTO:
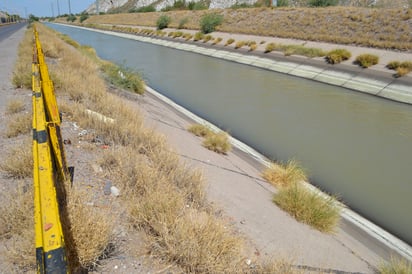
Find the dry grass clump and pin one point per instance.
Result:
(240, 44)
(308, 207)
(198, 36)
(229, 41)
(217, 40)
(283, 266)
(207, 38)
(200, 243)
(16, 228)
(14, 106)
(217, 142)
(91, 227)
(22, 70)
(270, 47)
(396, 266)
(200, 130)
(284, 175)
(337, 55)
(18, 163)
(402, 68)
(367, 60)
(18, 124)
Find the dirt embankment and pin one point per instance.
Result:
(379, 28)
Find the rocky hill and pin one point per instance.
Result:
(126, 5)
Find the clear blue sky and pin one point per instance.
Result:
(43, 7)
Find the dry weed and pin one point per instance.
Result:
(309, 207)
(18, 163)
(200, 243)
(200, 130)
(17, 228)
(218, 142)
(18, 124)
(284, 175)
(14, 106)
(91, 227)
(396, 266)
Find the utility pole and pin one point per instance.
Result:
(70, 8)
(25, 12)
(97, 7)
(58, 8)
(52, 9)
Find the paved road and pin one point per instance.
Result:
(7, 30)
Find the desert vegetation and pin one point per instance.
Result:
(294, 196)
(380, 28)
(366, 60)
(401, 68)
(216, 141)
(337, 56)
(396, 265)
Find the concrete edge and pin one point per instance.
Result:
(379, 236)
(357, 80)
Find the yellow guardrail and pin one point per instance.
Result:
(50, 170)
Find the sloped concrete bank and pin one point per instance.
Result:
(376, 83)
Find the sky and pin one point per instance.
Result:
(42, 8)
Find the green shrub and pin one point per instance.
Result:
(182, 23)
(197, 6)
(283, 3)
(210, 21)
(163, 22)
(337, 55)
(71, 18)
(308, 207)
(124, 78)
(322, 3)
(83, 17)
(149, 8)
(367, 60)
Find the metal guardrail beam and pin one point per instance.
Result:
(49, 169)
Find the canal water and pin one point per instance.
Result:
(353, 145)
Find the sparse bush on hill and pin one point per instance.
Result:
(322, 3)
(83, 17)
(149, 8)
(163, 22)
(210, 21)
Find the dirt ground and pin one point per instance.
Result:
(233, 183)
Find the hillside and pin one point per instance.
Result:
(122, 6)
(379, 28)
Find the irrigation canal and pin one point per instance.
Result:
(353, 145)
